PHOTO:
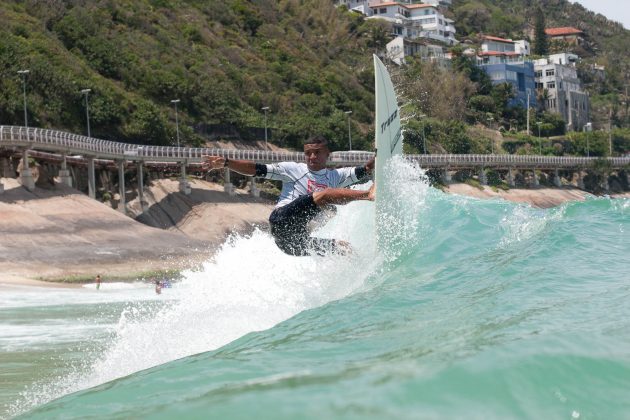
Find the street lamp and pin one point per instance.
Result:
(87, 110)
(23, 73)
(588, 127)
(539, 123)
(175, 102)
(349, 132)
(424, 136)
(265, 108)
(490, 119)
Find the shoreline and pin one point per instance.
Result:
(117, 259)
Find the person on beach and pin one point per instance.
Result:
(307, 189)
(98, 281)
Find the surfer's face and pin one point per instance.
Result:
(316, 156)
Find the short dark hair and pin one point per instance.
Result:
(316, 139)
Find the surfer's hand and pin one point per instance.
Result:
(372, 192)
(212, 162)
(369, 166)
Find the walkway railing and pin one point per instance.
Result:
(73, 144)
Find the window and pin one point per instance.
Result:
(550, 72)
(383, 10)
(551, 85)
(511, 75)
(539, 85)
(497, 76)
(538, 74)
(376, 11)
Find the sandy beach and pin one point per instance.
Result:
(62, 235)
(62, 238)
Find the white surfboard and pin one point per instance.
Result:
(388, 134)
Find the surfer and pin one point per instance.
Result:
(307, 189)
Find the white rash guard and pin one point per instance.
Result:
(297, 180)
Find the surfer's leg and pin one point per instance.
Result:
(289, 225)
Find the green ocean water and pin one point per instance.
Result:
(479, 309)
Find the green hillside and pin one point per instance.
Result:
(607, 42)
(225, 60)
(306, 60)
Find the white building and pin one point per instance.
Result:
(399, 48)
(415, 20)
(523, 47)
(557, 75)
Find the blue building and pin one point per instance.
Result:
(505, 62)
(520, 73)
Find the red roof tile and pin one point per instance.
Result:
(494, 38)
(419, 6)
(391, 3)
(562, 31)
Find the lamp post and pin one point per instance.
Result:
(539, 123)
(87, 110)
(349, 132)
(265, 108)
(588, 127)
(23, 73)
(175, 102)
(424, 136)
(490, 119)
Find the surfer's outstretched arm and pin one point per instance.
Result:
(244, 167)
(341, 196)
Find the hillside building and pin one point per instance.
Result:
(569, 35)
(500, 59)
(557, 80)
(399, 48)
(409, 20)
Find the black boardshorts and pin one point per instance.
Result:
(289, 227)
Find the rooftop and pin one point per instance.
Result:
(562, 31)
(494, 38)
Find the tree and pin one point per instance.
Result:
(541, 46)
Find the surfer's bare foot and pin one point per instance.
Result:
(372, 192)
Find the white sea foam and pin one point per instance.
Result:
(249, 285)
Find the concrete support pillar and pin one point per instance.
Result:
(446, 176)
(4, 162)
(510, 178)
(91, 177)
(5, 165)
(580, 180)
(535, 180)
(64, 173)
(228, 187)
(26, 176)
(605, 184)
(253, 190)
(184, 186)
(556, 178)
(483, 179)
(140, 176)
(122, 204)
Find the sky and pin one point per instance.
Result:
(616, 10)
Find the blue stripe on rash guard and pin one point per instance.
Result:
(360, 172)
(261, 170)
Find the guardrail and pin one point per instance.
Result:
(73, 144)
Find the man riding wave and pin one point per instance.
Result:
(307, 188)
